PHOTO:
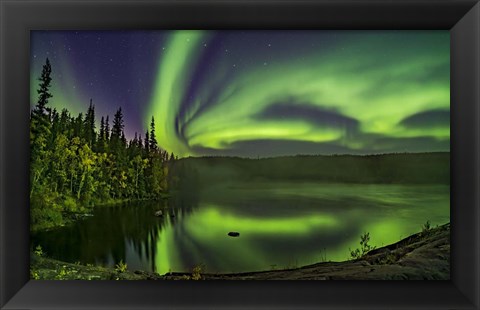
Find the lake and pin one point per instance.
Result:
(281, 225)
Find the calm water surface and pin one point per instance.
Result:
(281, 225)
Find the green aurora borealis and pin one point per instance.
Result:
(261, 93)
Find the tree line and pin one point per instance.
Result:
(73, 166)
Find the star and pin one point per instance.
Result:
(145, 71)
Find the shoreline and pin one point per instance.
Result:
(421, 256)
(71, 218)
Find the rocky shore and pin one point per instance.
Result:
(422, 256)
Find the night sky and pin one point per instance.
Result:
(258, 93)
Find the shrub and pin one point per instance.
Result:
(196, 272)
(53, 216)
(365, 247)
(34, 275)
(121, 267)
(70, 205)
(62, 274)
(45, 212)
(426, 227)
(38, 251)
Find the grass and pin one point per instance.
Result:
(44, 268)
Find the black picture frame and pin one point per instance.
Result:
(18, 17)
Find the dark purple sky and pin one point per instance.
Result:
(258, 93)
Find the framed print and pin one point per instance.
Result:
(168, 142)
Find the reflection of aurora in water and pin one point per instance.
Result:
(281, 224)
(258, 93)
(263, 93)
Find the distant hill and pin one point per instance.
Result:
(407, 168)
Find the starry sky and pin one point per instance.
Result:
(258, 93)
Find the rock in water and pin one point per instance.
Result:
(159, 213)
(234, 234)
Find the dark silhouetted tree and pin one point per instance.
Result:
(153, 140)
(117, 135)
(44, 88)
(101, 137)
(89, 126)
(147, 142)
(107, 130)
(40, 134)
(73, 167)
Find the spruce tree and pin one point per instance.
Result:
(153, 139)
(123, 140)
(89, 126)
(140, 142)
(40, 134)
(65, 122)
(44, 90)
(118, 126)
(117, 135)
(40, 122)
(78, 126)
(101, 136)
(147, 142)
(107, 130)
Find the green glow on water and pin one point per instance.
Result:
(211, 220)
(280, 224)
(387, 212)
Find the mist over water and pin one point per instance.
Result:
(281, 225)
(300, 141)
